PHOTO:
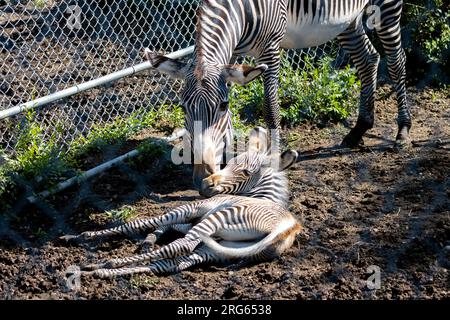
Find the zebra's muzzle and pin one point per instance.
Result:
(210, 186)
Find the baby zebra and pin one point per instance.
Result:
(245, 220)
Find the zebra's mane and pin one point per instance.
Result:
(273, 185)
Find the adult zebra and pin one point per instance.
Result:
(260, 28)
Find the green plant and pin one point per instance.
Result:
(148, 150)
(8, 188)
(138, 281)
(429, 21)
(123, 214)
(40, 4)
(426, 38)
(166, 118)
(151, 148)
(41, 162)
(102, 135)
(246, 100)
(318, 93)
(40, 233)
(37, 158)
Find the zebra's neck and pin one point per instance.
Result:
(219, 28)
(272, 186)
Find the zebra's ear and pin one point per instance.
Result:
(283, 161)
(242, 74)
(287, 159)
(257, 141)
(174, 68)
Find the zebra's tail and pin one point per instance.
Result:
(280, 233)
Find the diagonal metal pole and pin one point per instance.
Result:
(95, 171)
(87, 85)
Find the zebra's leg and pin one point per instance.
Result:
(182, 228)
(176, 248)
(390, 35)
(109, 273)
(178, 215)
(355, 41)
(151, 238)
(167, 266)
(131, 228)
(271, 109)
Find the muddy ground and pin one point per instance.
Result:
(366, 207)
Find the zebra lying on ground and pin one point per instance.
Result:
(252, 226)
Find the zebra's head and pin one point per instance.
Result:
(205, 103)
(255, 173)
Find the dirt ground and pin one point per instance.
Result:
(366, 207)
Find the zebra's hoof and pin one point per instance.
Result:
(402, 144)
(149, 243)
(147, 246)
(70, 238)
(402, 141)
(93, 266)
(352, 141)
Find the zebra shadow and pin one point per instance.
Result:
(338, 150)
(385, 145)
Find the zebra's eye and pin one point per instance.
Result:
(246, 172)
(223, 106)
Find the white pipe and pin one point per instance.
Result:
(88, 85)
(94, 171)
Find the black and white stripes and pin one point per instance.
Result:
(260, 28)
(254, 225)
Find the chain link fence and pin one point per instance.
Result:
(49, 45)
(360, 209)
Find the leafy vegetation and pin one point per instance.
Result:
(37, 158)
(426, 32)
(122, 214)
(318, 93)
(8, 188)
(143, 281)
(40, 4)
(42, 164)
(165, 118)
